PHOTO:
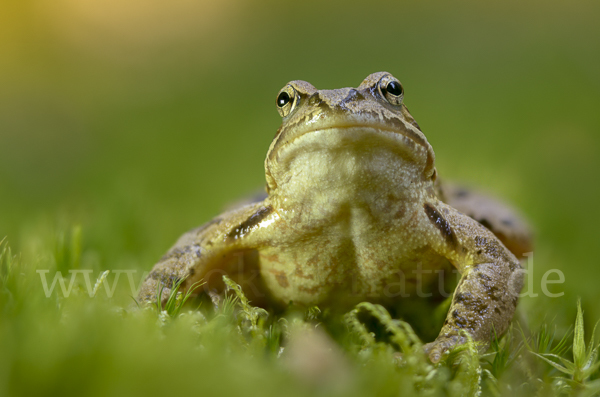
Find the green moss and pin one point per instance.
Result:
(88, 344)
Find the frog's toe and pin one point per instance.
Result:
(436, 349)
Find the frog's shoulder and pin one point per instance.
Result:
(504, 221)
(214, 245)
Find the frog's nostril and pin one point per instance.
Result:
(315, 99)
(353, 95)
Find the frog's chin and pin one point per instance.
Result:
(364, 143)
(345, 165)
(359, 135)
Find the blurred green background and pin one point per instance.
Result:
(141, 119)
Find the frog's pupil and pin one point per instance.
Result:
(394, 88)
(283, 99)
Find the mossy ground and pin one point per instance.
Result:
(90, 344)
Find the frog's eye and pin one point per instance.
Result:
(283, 99)
(391, 89)
(286, 100)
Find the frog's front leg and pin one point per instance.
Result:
(487, 294)
(213, 248)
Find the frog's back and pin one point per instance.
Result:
(504, 221)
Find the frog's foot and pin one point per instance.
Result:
(441, 345)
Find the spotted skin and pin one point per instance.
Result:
(353, 208)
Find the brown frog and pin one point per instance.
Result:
(354, 211)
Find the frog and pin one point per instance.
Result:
(354, 211)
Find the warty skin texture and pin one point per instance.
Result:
(354, 205)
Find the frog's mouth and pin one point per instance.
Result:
(409, 145)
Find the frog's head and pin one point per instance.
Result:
(338, 137)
